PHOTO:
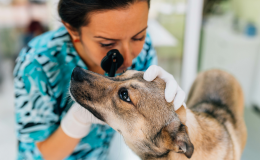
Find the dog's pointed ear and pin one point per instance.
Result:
(185, 147)
(181, 112)
(178, 133)
(180, 139)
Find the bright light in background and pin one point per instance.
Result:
(160, 36)
(178, 8)
(191, 44)
(5, 2)
(54, 19)
(20, 16)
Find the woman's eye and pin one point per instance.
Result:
(124, 96)
(106, 45)
(139, 39)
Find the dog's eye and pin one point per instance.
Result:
(123, 94)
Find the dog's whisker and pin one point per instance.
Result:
(91, 118)
(68, 97)
(94, 109)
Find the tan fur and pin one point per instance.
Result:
(211, 128)
(232, 95)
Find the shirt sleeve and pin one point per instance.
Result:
(34, 103)
(147, 57)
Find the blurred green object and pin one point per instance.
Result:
(10, 42)
(1, 75)
(212, 7)
(247, 10)
(170, 57)
(175, 24)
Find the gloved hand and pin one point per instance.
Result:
(172, 91)
(77, 122)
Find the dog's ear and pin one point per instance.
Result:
(181, 112)
(177, 139)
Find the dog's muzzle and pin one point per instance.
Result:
(78, 74)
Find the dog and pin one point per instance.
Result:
(210, 128)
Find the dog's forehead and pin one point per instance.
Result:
(136, 77)
(130, 74)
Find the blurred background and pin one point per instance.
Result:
(189, 36)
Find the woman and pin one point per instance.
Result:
(47, 126)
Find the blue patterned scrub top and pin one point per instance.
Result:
(41, 80)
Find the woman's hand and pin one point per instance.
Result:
(77, 122)
(74, 126)
(172, 91)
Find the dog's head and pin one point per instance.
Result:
(135, 108)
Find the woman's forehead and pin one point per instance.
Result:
(119, 22)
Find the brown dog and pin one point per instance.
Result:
(211, 128)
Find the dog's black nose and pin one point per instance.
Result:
(78, 74)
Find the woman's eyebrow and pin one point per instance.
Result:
(111, 39)
(141, 31)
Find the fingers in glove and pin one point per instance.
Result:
(170, 89)
(171, 85)
(179, 99)
(151, 73)
(155, 71)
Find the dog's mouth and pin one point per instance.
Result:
(87, 106)
(71, 95)
(94, 112)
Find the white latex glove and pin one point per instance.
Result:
(172, 91)
(77, 122)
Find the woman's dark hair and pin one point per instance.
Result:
(76, 12)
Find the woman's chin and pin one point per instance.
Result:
(121, 70)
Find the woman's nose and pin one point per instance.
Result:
(127, 54)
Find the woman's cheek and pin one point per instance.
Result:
(97, 54)
(101, 54)
(138, 48)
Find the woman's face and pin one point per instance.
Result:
(123, 29)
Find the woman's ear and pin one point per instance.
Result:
(74, 33)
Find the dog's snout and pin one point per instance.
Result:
(78, 74)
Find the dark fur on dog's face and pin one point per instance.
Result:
(135, 108)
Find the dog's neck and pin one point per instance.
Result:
(193, 129)
(189, 118)
(200, 133)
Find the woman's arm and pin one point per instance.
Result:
(37, 115)
(57, 146)
(75, 125)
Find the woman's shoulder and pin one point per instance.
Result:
(44, 52)
(50, 39)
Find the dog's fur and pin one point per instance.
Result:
(211, 128)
